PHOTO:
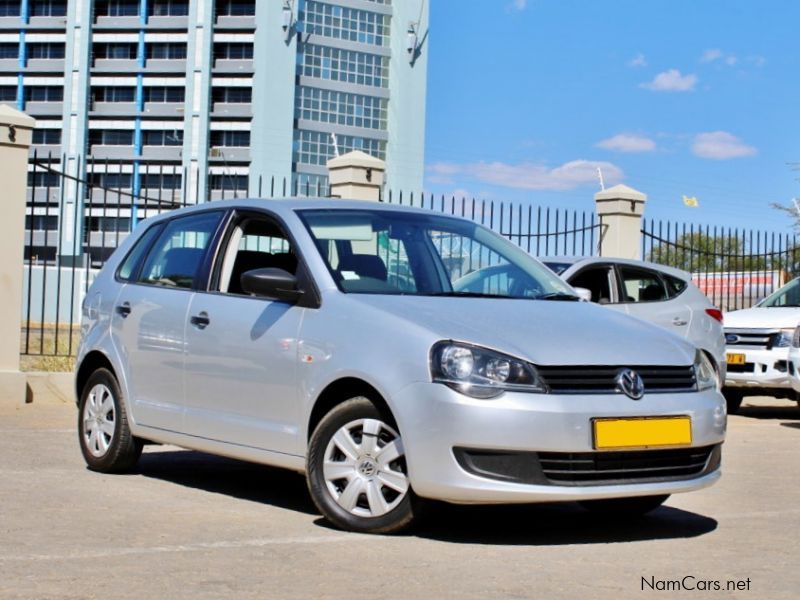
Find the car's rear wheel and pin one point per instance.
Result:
(625, 507)
(733, 398)
(356, 470)
(105, 437)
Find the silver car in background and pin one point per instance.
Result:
(391, 355)
(660, 294)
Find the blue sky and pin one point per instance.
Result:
(672, 97)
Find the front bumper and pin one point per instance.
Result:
(436, 421)
(763, 369)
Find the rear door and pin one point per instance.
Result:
(646, 295)
(150, 318)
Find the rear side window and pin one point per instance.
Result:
(675, 285)
(642, 285)
(176, 257)
(138, 252)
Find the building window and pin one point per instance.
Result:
(49, 137)
(111, 137)
(233, 51)
(164, 94)
(349, 24)
(43, 179)
(48, 8)
(114, 51)
(41, 222)
(235, 8)
(108, 223)
(44, 93)
(164, 181)
(345, 65)
(228, 182)
(310, 184)
(232, 139)
(46, 50)
(168, 8)
(232, 95)
(166, 51)
(9, 50)
(111, 180)
(113, 94)
(159, 137)
(8, 93)
(342, 108)
(117, 8)
(316, 147)
(9, 8)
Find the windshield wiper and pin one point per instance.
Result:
(457, 294)
(558, 296)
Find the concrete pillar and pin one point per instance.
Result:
(356, 176)
(16, 131)
(620, 210)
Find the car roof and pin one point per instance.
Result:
(589, 260)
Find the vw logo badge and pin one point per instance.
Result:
(630, 383)
(731, 339)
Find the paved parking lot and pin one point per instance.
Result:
(190, 525)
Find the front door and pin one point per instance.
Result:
(241, 351)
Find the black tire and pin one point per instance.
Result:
(345, 414)
(119, 452)
(733, 398)
(625, 507)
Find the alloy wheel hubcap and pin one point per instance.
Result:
(98, 420)
(364, 468)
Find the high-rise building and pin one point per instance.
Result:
(205, 98)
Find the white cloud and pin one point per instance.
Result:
(671, 81)
(442, 173)
(627, 142)
(720, 145)
(715, 54)
(531, 176)
(518, 5)
(758, 61)
(638, 61)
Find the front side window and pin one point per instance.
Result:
(394, 252)
(788, 295)
(642, 285)
(177, 256)
(255, 244)
(597, 280)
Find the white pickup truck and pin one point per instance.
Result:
(757, 342)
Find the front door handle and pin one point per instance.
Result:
(200, 321)
(124, 309)
(678, 321)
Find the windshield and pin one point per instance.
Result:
(788, 295)
(398, 252)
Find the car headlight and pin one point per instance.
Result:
(704, 372)
(480, 372)
(784, 338)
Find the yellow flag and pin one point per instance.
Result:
(691, 201)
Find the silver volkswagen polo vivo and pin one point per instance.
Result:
(340, 339)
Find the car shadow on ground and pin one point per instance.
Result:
(787, 411)
(541, 524)
(235, 478)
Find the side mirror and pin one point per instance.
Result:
(584, 294)
(276, 284)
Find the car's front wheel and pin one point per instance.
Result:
(625, 507)
(356, 470)
(105, 437)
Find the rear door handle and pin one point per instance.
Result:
(124, 309)
(200, 321)
(679, 321)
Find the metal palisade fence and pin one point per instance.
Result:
(73, 226)
(735, 268)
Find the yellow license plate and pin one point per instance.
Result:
(642, 432)
(735, 358)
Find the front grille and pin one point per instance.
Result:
(602, 380)
(574, 468)
(745, 368)
(590, 468)
(752, 338)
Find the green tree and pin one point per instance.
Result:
(699, 251)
